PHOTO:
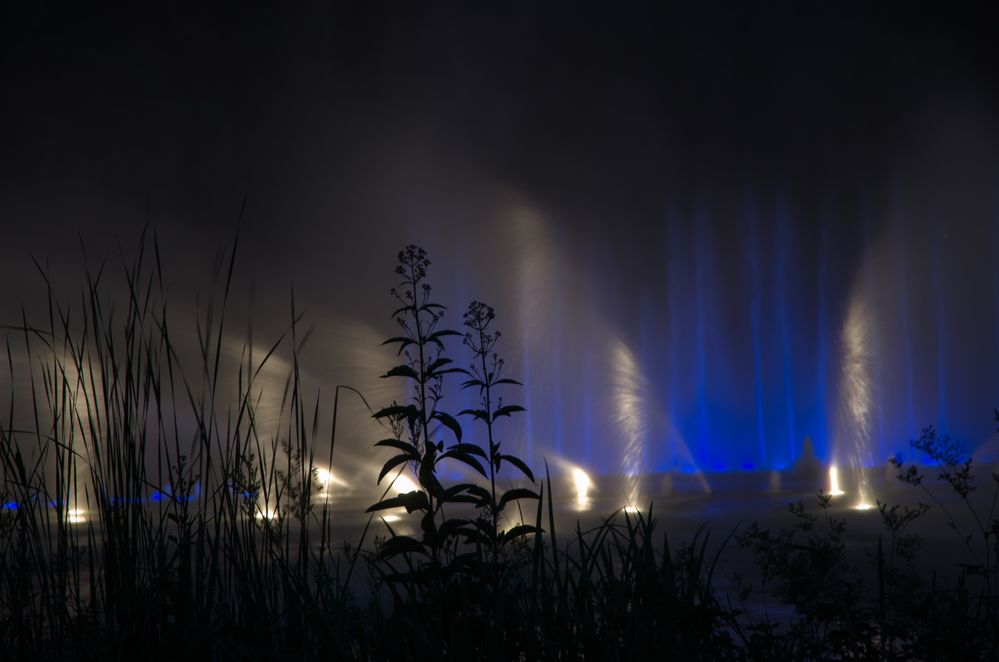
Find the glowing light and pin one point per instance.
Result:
(265, 514)
(631, 510)
(324, 477)
(76, 516)
(834, 488)
(404, 484)
(864, 505)
(582, 482)
(327, 480)
(401, 484)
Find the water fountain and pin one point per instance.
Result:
(710, 346)
(741, 349)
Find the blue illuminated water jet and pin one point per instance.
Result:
(755, 306)
(783, 311)
(738, 345)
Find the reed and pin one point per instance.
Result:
(147, 511)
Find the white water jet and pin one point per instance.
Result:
(857, 397)
(629, 388)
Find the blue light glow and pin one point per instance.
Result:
(735, 349)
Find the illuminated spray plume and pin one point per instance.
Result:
(857, 398)
(628, 388)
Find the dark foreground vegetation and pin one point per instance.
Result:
(207, 537)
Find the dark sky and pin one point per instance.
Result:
(192, 107)
(846, 130)
(346, 122)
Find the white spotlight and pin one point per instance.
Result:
(404, 484)
(834, 488)
(265, 513)
(76, 516)
(325, 478)
(582, 482)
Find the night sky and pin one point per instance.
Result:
(668, 154)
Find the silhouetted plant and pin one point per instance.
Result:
(806, 566)
(486, 375)
(972, 616)
(170, 561)
(429, 563)
(217, 562)
(955, 468)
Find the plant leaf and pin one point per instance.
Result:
(451, 527)
(466, 459)
(404, 446)
(415, 500)
(439, 363)
(402, 545)
(520, 464)
(409, 411)
(468, 448)
(392, 464)
(516, 532)
(403, 343)
(385, 504)
(450, 422)
(484, 496)
(477, 413)
(402, 371)
(506, 411)
(455, 490)
(407, 308)
(443, 333)
(517, 493)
